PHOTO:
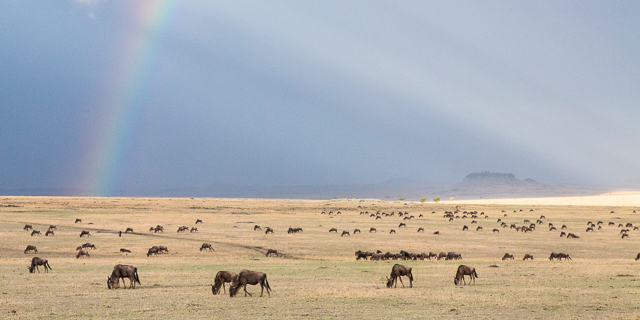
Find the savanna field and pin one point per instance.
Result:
(317, 275)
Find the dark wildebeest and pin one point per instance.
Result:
(198, 221)
(373, 230)
(88, 245)
(34, 232)
(478, 228)
(206, 246)
(257, 227)
(553, 256)
(496, 230)
(562, 234)
(125, 251)
(35, 262)
(589, 229)
(272, 251)
(221, 278)
(528, 257)
(345, 233)
(78, 220)
(376, 256)
(437, 232)
(402, 225)
(163, 249)
(465, 228)
(49, 232)
(356, 231)
(465, 271)
(625, 235)
(552, 229)
(442, 255)
(396, 273)
(507, 256)
(363, 255)
(85, 233)
(152, 250)
(269, 230)
(78, 248)
(246, 277)
(193, 229)
(33, 248)
(563, 255)
(121, 272)
(638, 257)
(53, 227)
(183, 228)
(571, 235)
(120, 233)
(27, 227)
(392, 231)
(421, 229)
(158, 228)
(129, 230)
(333, 230)
(82, 253)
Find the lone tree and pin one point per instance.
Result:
(422, 200)
(452, 198)
(401, 199)
(436, 200)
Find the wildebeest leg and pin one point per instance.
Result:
(400, 277)
(223, 289)
(246, 292)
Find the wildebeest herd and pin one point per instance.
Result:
(239, 281)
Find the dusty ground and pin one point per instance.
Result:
(317, 276)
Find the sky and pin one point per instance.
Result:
(104, 96)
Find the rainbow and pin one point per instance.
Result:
(119, 104)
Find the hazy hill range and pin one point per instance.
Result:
(478, 185)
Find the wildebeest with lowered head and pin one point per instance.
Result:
(49, 232)
(198, 221)
(397, 271)
(121, 271)
(465, 271)
(253, 278)
(152, 250)
(638, 257)
(206, 246)
(125, 250)
(82, 253)
(345, 233)
(221, 278)
(35, 262)
(129, 230)
(85, 233)
(528, 257)
(269, 230)
(78, 220)
(272, 251)
(34, 232)
(507, 256)
(33, 248)
(88, 245)
(27, 227)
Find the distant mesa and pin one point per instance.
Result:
(490, 175)
(491, 179)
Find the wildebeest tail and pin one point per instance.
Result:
(49, 265)
(474, 273)
(135, 271)
(267, 283)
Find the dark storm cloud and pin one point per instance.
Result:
(293, 92)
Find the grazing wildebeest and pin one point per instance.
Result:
(193, 229)
(152, 250)
(464, 228)
(269, 230)
(507, 256)
(82, 253)
(442, 255)
(496, 230)
(402, 225)
(88, 245)
(78, 248)
(257, 227)
(589, 229)
(421, 229)
(221, 278)
(34, 232)
(373, 230)
(397, 272)
(465, 271)
(198, 221)
(392, 231)
(272, 251)
(625, 235)
(85, 233)
(49, 232)
(453, 256)
(121, 272)
(571, 235)
(562, 234)
(125, 251)
(478, 228)
(345, 233)
(35, 262)
(333, 230)
(356, 231)
(30, 248)
(638, 256)
(27, 227)
(376, 256)
(363, 255)
(163, 249)
(129, 230)
(158, 228)
(150, 229)
(246, 277)
(552, 229)
(553, 256)
(563, 255)
(206, 246)
(78, 220)
(528, 257)
(437, 232)
(183, 228)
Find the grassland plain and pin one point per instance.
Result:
(317, 277)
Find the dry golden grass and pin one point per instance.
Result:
(317, 276)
